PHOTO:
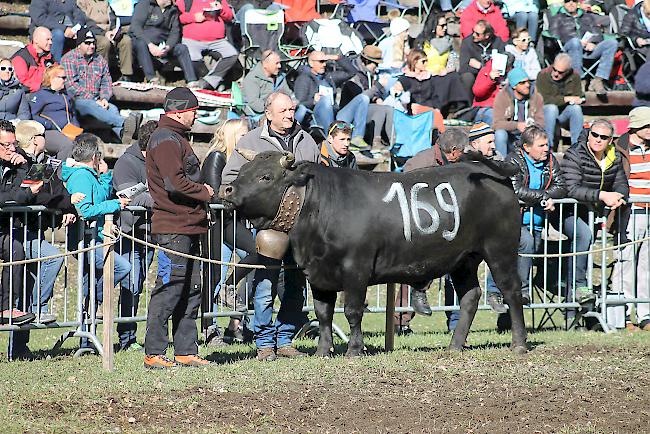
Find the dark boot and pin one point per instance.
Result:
(419, 302)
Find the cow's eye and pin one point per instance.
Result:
(265, 178)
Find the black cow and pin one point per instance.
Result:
(356, 229)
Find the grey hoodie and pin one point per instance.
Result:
(130, 170)
(256, 87)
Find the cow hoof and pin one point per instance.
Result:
(519, 349)
(455, 349)
(354, 353)
(323, 354)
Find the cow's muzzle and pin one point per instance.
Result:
(225, 191)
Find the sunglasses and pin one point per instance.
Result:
(600, 136)
(340, 125)
(6, 68)
(9, 145)
(90, 42)
(442, 25)
(478, 34)
(560, 72)
(524, 39)
(320, 60)
(423, 60)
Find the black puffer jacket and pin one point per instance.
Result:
(585, 179)
(633, 26)
(552, 180)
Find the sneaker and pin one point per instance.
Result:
(266, 354)
(403, 330)
(553, 234)
(378, 143)
(645, 325)
(192, 360)
(290, 352)
(205, 85)
(598, 86)
(420, 303)
(17, 317)
(46, 318)
(196, 84)
(358, 144)
(158, 362)
(155, 81)
(496, 303)
(233, 336)
(131, 127)
(584, 295)
(631, 327)
(133, 347)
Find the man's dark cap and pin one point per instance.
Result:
(180, 99)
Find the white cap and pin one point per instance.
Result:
(399, 25)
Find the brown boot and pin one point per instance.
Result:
(192, 360)
(266, 354)
(598, 86)
(290, 352)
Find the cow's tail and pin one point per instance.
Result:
(502, 169)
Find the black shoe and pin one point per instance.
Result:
(23, 354)
(496, 303)
(233, 336)
(419, 302)
(403, 330)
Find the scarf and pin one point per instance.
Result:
(8, 87)
(441, 45)
(419, 76)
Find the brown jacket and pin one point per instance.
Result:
(504, 110)
(96, 10)
(428, 158)
(173, 175)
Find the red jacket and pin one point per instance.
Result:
(472, 15)
(485, 89)
(29, 67)
(299, 10)
(212, 29)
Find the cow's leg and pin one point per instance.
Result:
(465, 282)
(355, 298)
(324, 302)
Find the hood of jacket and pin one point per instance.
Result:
(134, 150)
(71, 167)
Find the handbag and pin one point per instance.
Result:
(70, 130)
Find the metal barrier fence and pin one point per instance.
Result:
(557, 275)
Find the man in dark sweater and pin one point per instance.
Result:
(179, 219)
(561, 89)
(476, 50)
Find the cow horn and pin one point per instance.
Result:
(287, 160)
(247, 153)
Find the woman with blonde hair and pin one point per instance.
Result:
(235, 233)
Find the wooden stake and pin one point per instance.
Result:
(390, 313)
(109, 267)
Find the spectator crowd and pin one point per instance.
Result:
(492, 66)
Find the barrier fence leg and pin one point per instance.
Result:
(109, 266)
(390, 313)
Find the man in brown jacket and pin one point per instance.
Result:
(100, 12)
(179, 218)
(515, 108)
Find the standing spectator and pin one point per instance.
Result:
(13, 101)
(524, 53)
(316, 89)
(525, 14)
(130, 170)
(204, 31)
(264, 79)
(582, 34)
(483, 10)
(595, 176)
(562, 91)
(179, 219)
(476, 50)
(88, 81)
(636, 26)
(537, 182)
(63, 18)
(31, 61)
(516, 107)
(156, 34)
(630, 274)
(394, 48)
(279, 132)
(335, 150)
(109, 37)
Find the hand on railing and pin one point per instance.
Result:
(548, 205)
(76, 198)
(124, 201)
(68, 219)
(35, 188)
(611, 198)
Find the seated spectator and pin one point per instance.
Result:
(570, 25)
(63, 18)
(636, 26)
(53, 108)
(516, 107)
(365, 81)
(394, 48)
(13, 101)
(483, 10)
(438, 45)
(156, 34)
(595, 176)
(538, 181)
(642, 86)
(316, 89)
(630, 274)
(335, 150)
(130, 170)
(41, 276)
(485, 89)
(430, 91)
(204, 31)
(261, 81)
(109, 37)
(31, 61)
(476, 50)
(86, 172)
(525, 14)
(524, 53)
(561, 89)
(88, 82)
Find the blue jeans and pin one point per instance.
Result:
(604, 51)
(131, 287)
(528, 243)
(504, 140)
(576, 228)
(122, 269)
(484, 114)
(571, 114)
(355, 112)
(226, 255)
(445, 5)
(290, 318)
(452, 315)
(529, 20)
(58, 42)
(110, 116)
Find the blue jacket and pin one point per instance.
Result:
(53, 105)
(53, 13)
(98, 190)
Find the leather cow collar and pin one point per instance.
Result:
(289, 208)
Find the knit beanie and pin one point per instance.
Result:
(85, 35)
(479, 130)
(516, 76)
(180, 99)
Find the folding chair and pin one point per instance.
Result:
(633, 58)
(411, 134)
(363, 15)
(333, 36)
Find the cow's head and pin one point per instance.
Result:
(258, 189)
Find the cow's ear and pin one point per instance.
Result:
(300, 175)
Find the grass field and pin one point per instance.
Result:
(569, 382)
